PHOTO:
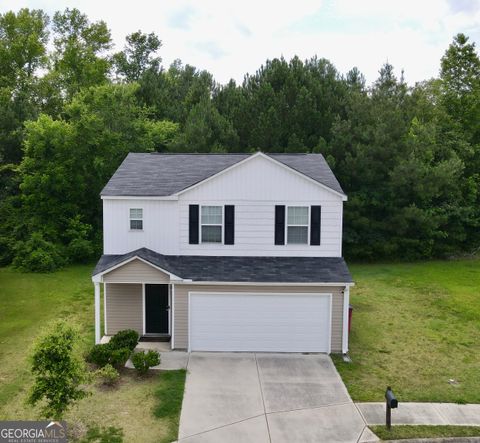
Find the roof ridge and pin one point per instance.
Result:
(227, 153)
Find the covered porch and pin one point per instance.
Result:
(135, 295)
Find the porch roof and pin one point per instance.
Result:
(200, 268)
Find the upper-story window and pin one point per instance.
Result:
(297, 225)
(212, 224)
(136, 219)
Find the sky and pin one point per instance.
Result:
(231, 38)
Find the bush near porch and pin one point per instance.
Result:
(30, 301)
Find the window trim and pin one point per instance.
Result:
(130, 219)
(222, 225)
(287, 207)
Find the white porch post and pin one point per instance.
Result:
(97, 312)
(346, 305)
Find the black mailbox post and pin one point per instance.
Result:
(392, 403)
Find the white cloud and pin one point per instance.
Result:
(231, 38)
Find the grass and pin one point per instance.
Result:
(169, 395)
(405, 432)
(145, 408)
(415, 327)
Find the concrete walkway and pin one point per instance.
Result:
(423, 414)
(262, 398)
(169, 360)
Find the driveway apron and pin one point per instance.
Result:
(247, 397)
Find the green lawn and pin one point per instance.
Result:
(415, 327)
(146, 409)
(405, 432)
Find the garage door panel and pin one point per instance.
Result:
(260, 322)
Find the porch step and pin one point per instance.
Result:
(155, 338)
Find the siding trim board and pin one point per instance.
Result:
(143, 309)
(105, 328)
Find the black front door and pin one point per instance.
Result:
(156, 309)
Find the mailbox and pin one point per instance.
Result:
(392, 401)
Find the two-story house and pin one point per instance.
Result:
(225, 252)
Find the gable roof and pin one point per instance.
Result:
(238, 269)
(161, 175)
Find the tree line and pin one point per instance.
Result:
(407, 156)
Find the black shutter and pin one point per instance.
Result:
(229, 224)
(315, 225)
(193, 220)
(279, 225)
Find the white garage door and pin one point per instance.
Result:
(260, 322)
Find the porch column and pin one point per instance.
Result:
(346, 305)
(97, 312)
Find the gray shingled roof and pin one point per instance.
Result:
(240, 269)
(154, 174)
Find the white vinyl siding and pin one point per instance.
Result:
(297, 225)
(254, 187)
(160, 226)
(211, 224)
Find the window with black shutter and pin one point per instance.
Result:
(193, 220)
(229, 225)
(279, 225)
(315, 225)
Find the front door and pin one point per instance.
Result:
(156, 309)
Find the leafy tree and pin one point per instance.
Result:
(206, 130)
(172, 94)
(58, 373)
(137, 56)
(68, 161)
(37, 254)
(79, 59)
(23, 40)
(460, 75)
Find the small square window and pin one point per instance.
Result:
(136, 219)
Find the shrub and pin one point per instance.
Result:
(99, 355)
(38, 255)
(143, 361)
(105, 354)
(108, 375)
(79, 248)
(119, 357)
(58, 373)
(127, 338)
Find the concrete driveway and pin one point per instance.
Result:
(246, 397)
